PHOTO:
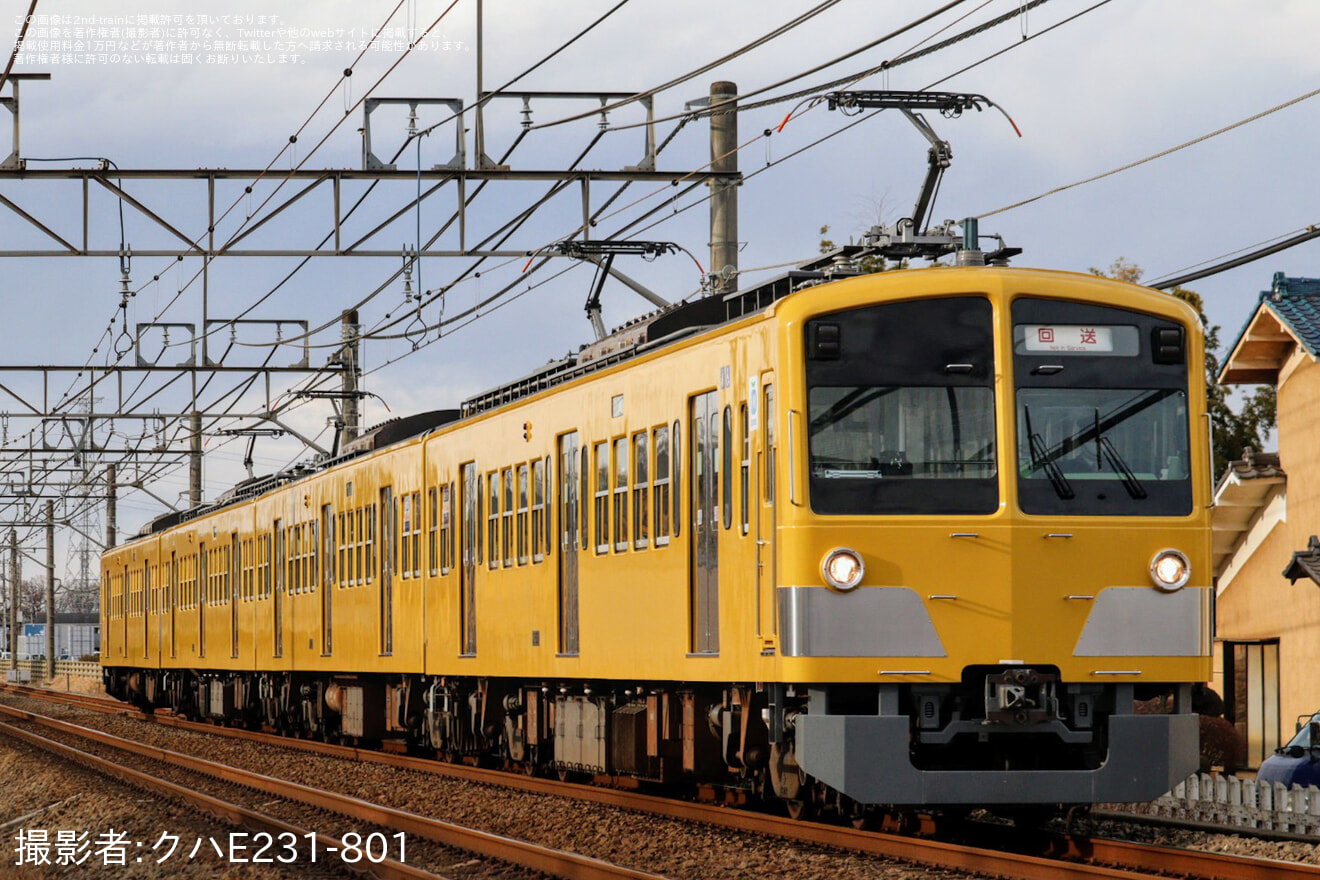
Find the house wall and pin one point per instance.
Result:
(1259, 603)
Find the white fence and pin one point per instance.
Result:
(35, 670)
(1238, 804)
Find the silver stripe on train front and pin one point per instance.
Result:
(870, 622)
(1144, 622)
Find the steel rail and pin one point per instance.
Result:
(232, 813)
(1066, 852)
(528, 855)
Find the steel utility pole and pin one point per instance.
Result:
(724, 192)
(50, 590)
(110, 524)
(348, 361)
(13, 599)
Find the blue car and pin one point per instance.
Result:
(1297, 763)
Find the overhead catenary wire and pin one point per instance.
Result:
(1151, 158)
(1309, 234)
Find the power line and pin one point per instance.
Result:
(1311, 232)
(1161, 154)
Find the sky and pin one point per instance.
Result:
(1122, 82)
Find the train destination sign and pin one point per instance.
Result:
(1077, 339)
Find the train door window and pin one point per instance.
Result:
(173, 598)
(387, 569)
(768, 415)
(405, 539)
(745, 470)
(1251, 695)
(203, 592)
(676, 449)
(539, 534)
(620, 494)
(233, 578)
(660, 437)
(726, 487)
(641, 488)
(433, 531)
(602, 509)
(523, 513)
(493, 518)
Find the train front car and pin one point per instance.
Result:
(995, 551)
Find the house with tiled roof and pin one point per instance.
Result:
(1267, 512)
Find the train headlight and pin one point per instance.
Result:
(1170, 570)
(842, 569)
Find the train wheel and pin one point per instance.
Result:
(800, 809)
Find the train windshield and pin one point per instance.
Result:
(1103, 417)
(885, 449)
(1103, 450)
(901, 409)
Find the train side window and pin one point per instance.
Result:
(351, 538)
(540, 535)
(345, 560)
(584, 484)
(313, 558)
(416, 559)
(446, 528)
(677, 449)
(405, 539)
(726, 490)
(641, 461)
(547, 470)
(433, 531)
(660, 435)
(602, 510)
(507, 545)
(620, 494)
(746, 468)
(523, 512)
(768, 416)
(367, 535)
(493, 518)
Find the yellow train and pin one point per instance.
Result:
(918, 537)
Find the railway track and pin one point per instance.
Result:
(514, 852)
(1051, 853)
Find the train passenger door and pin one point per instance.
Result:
(327, 576)
(470, 553)
(173, 590)
(767, 609)
(704, 422)
(235, 576)
(277, 591)
(387, 521)
(568, 538)
(146, 611)
(204, 596)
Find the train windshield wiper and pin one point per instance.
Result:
(1041, 460)
(1130, 481)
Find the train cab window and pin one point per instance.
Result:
(660, 439)
(1102, 411)
(620, 494)
(901, 410)
(640, 513)
(540, 535)
(523, 514)
(726, 488)
(602, 496)
(493, 519)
